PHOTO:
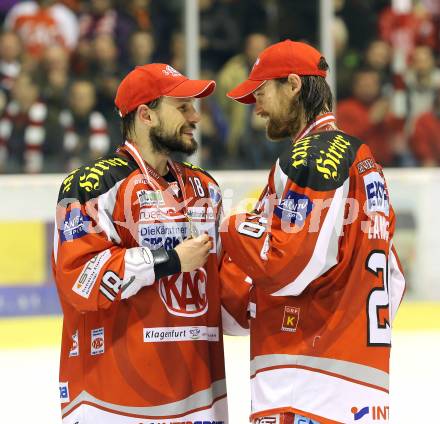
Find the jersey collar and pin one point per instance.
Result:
(324, 121)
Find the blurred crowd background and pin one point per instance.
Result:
(61, 62)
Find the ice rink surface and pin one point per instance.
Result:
(29, 381)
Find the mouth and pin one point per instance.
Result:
(188, 131)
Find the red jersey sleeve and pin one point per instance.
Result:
(235, 297)
(91, 266)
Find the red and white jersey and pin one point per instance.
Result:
(136, 349)
(317, 264)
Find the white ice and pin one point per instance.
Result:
(29, 381)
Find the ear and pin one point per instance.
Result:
(146, 115)
(295, 84)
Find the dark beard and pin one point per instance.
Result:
(278, 129)
(163, 143)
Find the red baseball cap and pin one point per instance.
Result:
(149, 82)
(278, 61)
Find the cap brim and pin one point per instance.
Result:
(193, 88)
(243, 93)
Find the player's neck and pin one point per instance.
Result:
(156, 160)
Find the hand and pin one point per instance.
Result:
(193, 253)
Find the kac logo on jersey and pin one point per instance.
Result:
(97, 341)
(294, 207)
(376, 192)
(184, 294)
(75, 225)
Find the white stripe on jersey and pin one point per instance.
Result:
(204, 400)
(139, 270)
(91, 414)
(106, 206)
(280, 180)
(314, 392)
(55, 241)
(230, 326)
(361, 373)
(325, 254)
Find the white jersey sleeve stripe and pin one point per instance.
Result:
(200, 400)
(280, 180)
(139, 270)
(106, 206)
(351, 370)
(325, 254)
(230, 326)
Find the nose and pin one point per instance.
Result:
(195, 116)
(258, 108)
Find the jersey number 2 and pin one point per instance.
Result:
(378, 303)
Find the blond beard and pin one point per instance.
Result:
(289, 126)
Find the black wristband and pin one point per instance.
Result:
(165, 262)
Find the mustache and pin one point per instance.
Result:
(189, 127)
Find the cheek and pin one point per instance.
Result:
(172, 123)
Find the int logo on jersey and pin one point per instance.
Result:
(290, 319)
(294, 208)
(184, 294)
(376, 413)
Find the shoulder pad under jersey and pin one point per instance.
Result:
(96, 178)
(198, 169)
(320, 161)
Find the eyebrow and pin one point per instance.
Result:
(187, 99)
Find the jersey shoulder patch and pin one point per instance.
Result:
(96, 178)
(198, 169)
(320, 161)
